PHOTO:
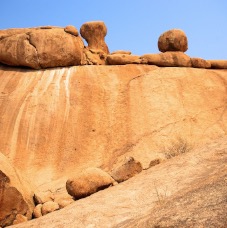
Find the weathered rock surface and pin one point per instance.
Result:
(94, 33)
(19, 219)
(122, 59)
(43, 197)
(154, 162)
(95, 56)
(62, 198)
(88, 182)
(125, 170)
(186, 191)
(200, 63)
(64, 202)
(15, 195)
(49, 207)
(121, 52)
(100, 113)
(168, 59)
(71, 30)
(41, 47)
(37, 211)
(173, 40)
(218, 64)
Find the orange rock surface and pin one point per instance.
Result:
(59, 121)
(186, 191)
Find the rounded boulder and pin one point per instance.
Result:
(173, 40)
(88, 182)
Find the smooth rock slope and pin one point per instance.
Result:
(186, 191)
(57, 122)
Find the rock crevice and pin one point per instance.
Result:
(33, 45)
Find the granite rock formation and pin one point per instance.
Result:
(51, 46)
(94, 33)
(200, 63)
(126, 169)
(187, 191)
(123, 59)
(173, 40)
(57, 123)
(42, 47)
(168, 59)
(218, 64)
(88, 182)
(16, 202)
(100, 113)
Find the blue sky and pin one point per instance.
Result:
(133, 25)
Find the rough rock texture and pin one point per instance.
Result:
(168, 59)
(43, 197)
(127, 169)
(19, 219)
(200, 63)
(218, 64)
(49, 207)
(100, 113)
(186, 191)
(154, 162)
(122, 59)
(41, 48)
(121, 52)
(173, 40)
(95, 56)
(62, 198)
(71, 30)
(94, 33)
(15, 195)
(88, 182)
(37, 211)
(64, 202)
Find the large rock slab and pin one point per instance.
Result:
(41, 47)
(123, 59)
(101, 113)
(200, 63)
(218, 64)
(168, 59)
(16, 204)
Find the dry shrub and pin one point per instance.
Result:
(179, 146)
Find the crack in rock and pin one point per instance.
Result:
(33, 45)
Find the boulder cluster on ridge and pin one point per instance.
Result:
(50, 46)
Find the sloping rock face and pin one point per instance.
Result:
(41, 47)
(16, 202)
(59, 121)
(186, 191)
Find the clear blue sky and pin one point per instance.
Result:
(133, 25)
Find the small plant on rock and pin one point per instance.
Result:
(179, 146)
